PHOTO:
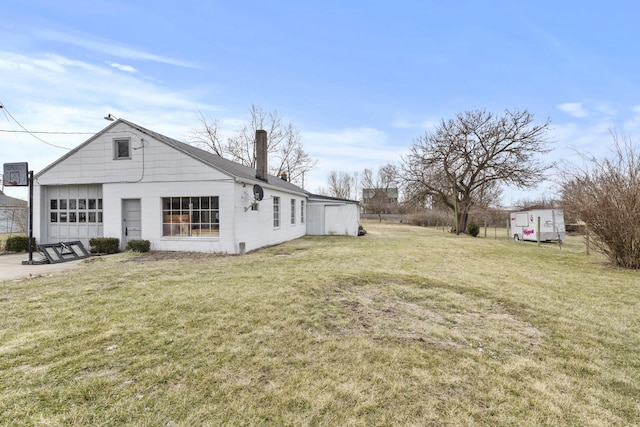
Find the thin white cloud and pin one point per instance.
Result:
(111, 49)
(72, 82)
(58, 94)
(422, 125)
(347, 150)
(121, 67)
(574, 109)
(403, 124)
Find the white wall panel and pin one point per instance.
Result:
(151, 160)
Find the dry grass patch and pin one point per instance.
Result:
(406, 326)
(434, 316)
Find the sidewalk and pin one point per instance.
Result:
(11, 267)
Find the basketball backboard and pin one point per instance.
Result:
(16, 174)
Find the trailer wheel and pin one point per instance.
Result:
(516, 237)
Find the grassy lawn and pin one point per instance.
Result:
(405, 326)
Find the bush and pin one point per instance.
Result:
(605, 195)
(104, 245)
(473, 229)
(139, 245)
(430, 218)
(19, 244)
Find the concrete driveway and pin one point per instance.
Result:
(11, 267)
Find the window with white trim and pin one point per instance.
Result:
(122, 149)
(193, 216)
(293, 211)
(301, 211)
(276, 212)
(75, 210)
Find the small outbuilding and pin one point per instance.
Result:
(332, 216)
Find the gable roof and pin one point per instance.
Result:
(11, 202)
(233, 169)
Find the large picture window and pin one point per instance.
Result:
(190, 216)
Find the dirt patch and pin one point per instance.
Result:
(153, 256)
(434, 317)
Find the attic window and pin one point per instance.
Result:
(121, 149)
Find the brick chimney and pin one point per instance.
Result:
(261, 155)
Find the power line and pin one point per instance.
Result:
(46, 132)
(8, 114)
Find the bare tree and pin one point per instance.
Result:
(241, 146)
(464, 162)
(286, 152)
(341, 184)
(380, 190)
(605, 194)
(291, 158)
(208, 137)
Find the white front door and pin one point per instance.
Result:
(131, 221)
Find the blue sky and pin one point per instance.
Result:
(360, 79)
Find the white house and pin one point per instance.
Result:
(132, 183)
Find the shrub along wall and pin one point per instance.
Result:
(19, 244)
(104, 245)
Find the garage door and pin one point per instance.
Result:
(74, 212)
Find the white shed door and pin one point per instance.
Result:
(333, 223)
(315, 219)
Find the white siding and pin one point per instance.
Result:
(151, 161)
(151, 194)
(255, 227)
(342, 220)
(238, 223)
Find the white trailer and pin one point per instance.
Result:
(524, 225)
